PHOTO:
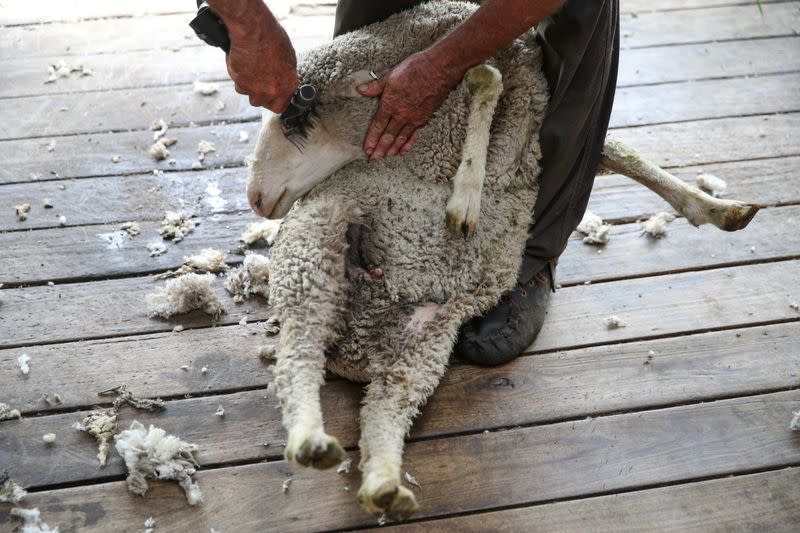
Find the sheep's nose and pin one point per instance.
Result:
(255, 199)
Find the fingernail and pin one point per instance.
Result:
(368, 151)
(363, 87)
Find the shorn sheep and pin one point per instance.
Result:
(376, 266)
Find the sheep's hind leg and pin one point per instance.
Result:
(697, 206)
(463, 208)
(390, 405)
(310, 301)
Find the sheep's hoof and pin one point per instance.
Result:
(390, 498)
(462, 214)
(316, 449)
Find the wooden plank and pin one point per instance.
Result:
(638, 66)
(640, 6)
(139, 197)
(115, 36)
(672, 304)
(517, 466)
(91, 252)
(100, 309)
(532, 390)
(651, 307)
(14, 12)
(130, 109)
(673, 102)
(709, 141)
(708, 60)
(669, 145)
(628, 253)
(712, 24)
(762, 181)
(84, 252)
(135, 109)
(768, 501)
(29, 160)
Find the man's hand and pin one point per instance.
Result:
(261, 61)
(410, 94)
(263, 66)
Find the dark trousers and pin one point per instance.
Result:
(581, 53)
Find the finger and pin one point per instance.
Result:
(373, 88)
(410, 142)
(376, 128)
(386, 140)
(400, 140)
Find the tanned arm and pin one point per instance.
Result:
(261, 61)
(414, 89)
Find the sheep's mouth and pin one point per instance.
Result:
(282, 206)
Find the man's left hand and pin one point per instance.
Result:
(410, 94)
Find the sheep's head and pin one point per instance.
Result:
(281, 173)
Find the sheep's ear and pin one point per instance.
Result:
(346, 88)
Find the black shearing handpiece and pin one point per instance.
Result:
(210, 28)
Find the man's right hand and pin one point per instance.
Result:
(261, 62)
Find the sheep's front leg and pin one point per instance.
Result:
(463, 208)
(698, 207)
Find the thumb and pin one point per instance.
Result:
(373, 88)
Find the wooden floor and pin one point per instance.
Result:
(585, 432)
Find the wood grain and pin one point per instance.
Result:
(709, 24)
(516, 466)
(23, 12)
(768, 501)
(538, 389)
(109, 308)
(674, 102)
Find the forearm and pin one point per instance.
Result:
(491, 28)
(246, 18)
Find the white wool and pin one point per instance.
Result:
(31, 521)
(344, 467)
(656, 225)
(49, 438)
(203, 148)
(594, 229)
(22, 361)
(208, 260)
(159, 151)
(159, 127)
(151, 453)
(285, 485)
(250, 278)
(47, 203)
(243, 321)
(205, 88)
(711, 184)
(62, 220)
(132, 228)
(243, 136)
(10, 491)
(183, 294)
(794, 425)
(62, 69)
(267, 352)
(177, 329)
(264, 229)
(156, 248)
(22, 211)
(220, 412)
(115, 158)
(149, 525)
(220, 105)
(615, 322)
(411, 480)
(176, 225)
(101, 425)
(7, 413)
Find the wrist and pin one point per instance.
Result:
(448, 67)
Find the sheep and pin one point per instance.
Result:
(376, 266)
